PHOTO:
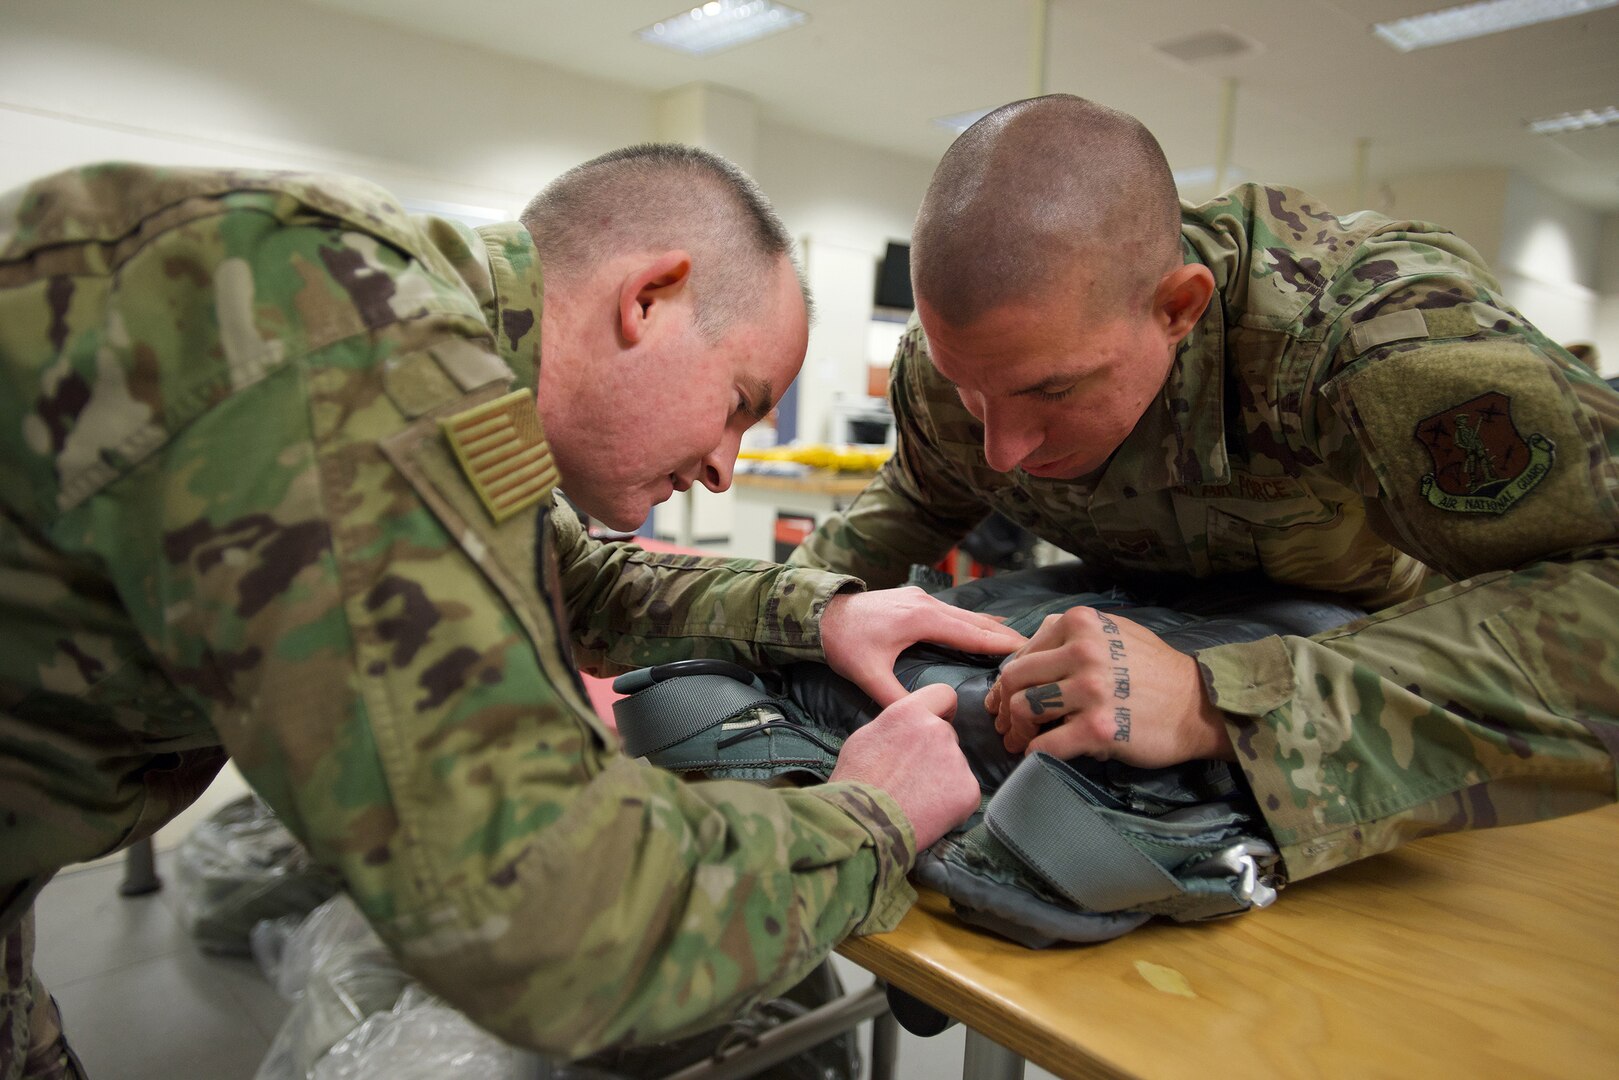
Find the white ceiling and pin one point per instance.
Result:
(878, 71)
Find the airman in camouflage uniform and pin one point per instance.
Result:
(1356, 409)
(272, 482)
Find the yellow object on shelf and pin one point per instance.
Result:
(822, 456)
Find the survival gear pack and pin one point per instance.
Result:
(1059, 851)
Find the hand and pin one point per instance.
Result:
(1119, 691)
(910, 751)
(862, 633)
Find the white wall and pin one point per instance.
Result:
(293, 86)
(289, 85)
(1550, 258)
(844, 202)
(1607, 319)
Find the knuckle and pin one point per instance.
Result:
(1094, 727)
(1078, 651)
(1091, 685)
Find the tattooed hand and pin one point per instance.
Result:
(1118, 690)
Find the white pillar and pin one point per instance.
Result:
(713, 117)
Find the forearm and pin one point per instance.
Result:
(631, 608)
(883, 533)
(645, 907)
(1480, 704)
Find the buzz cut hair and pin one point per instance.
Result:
(1037, 192)
(656, 197)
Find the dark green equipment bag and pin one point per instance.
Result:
(1060, 851)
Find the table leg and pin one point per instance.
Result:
(884, 1046)
(987, 1059)
(140, 870)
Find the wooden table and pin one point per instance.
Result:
(1485, 954)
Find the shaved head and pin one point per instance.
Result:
(1037, 192)
(659, 197)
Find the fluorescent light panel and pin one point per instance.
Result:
(1476, 20)
(722, 24)
(1575, 121)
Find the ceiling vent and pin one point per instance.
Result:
(1207, 46)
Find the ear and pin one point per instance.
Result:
(1182, 296)
(649, 284)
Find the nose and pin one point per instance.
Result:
(1007, 442)
(720, 462)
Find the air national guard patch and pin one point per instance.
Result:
(1482, 463)
(503, 451)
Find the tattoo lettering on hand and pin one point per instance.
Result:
(1115, 654)
(1115, 645)
(1121, 682)
(1121, 678)
(1041, 698)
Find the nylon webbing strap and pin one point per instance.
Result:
(1049, 821)
(668, 712)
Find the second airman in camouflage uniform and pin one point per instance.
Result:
(1356, 409)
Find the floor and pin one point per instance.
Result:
(140, 1002)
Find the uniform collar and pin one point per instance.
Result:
(513, 307)
(1180, 440)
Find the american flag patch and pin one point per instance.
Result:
(503, 452)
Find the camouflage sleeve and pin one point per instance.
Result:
(919, 504)
(1484, 451)
(387, 668)
(632, 608)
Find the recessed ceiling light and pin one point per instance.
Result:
(962, 121)
(1575, 121)
(1207, 46)
(1475, 20)
(721, 24)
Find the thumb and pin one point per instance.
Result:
(938, 699)
(884, 688)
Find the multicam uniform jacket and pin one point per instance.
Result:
(1357, 408)
(231, 521)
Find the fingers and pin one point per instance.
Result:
(968, 631)
(1046, 680)
(968, 637)
(1069, 741)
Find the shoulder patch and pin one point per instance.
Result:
(1459, 433)
(503, 452)
(1482, 463)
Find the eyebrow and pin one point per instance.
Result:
(760, 397)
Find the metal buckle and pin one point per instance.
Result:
(1242, 861)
